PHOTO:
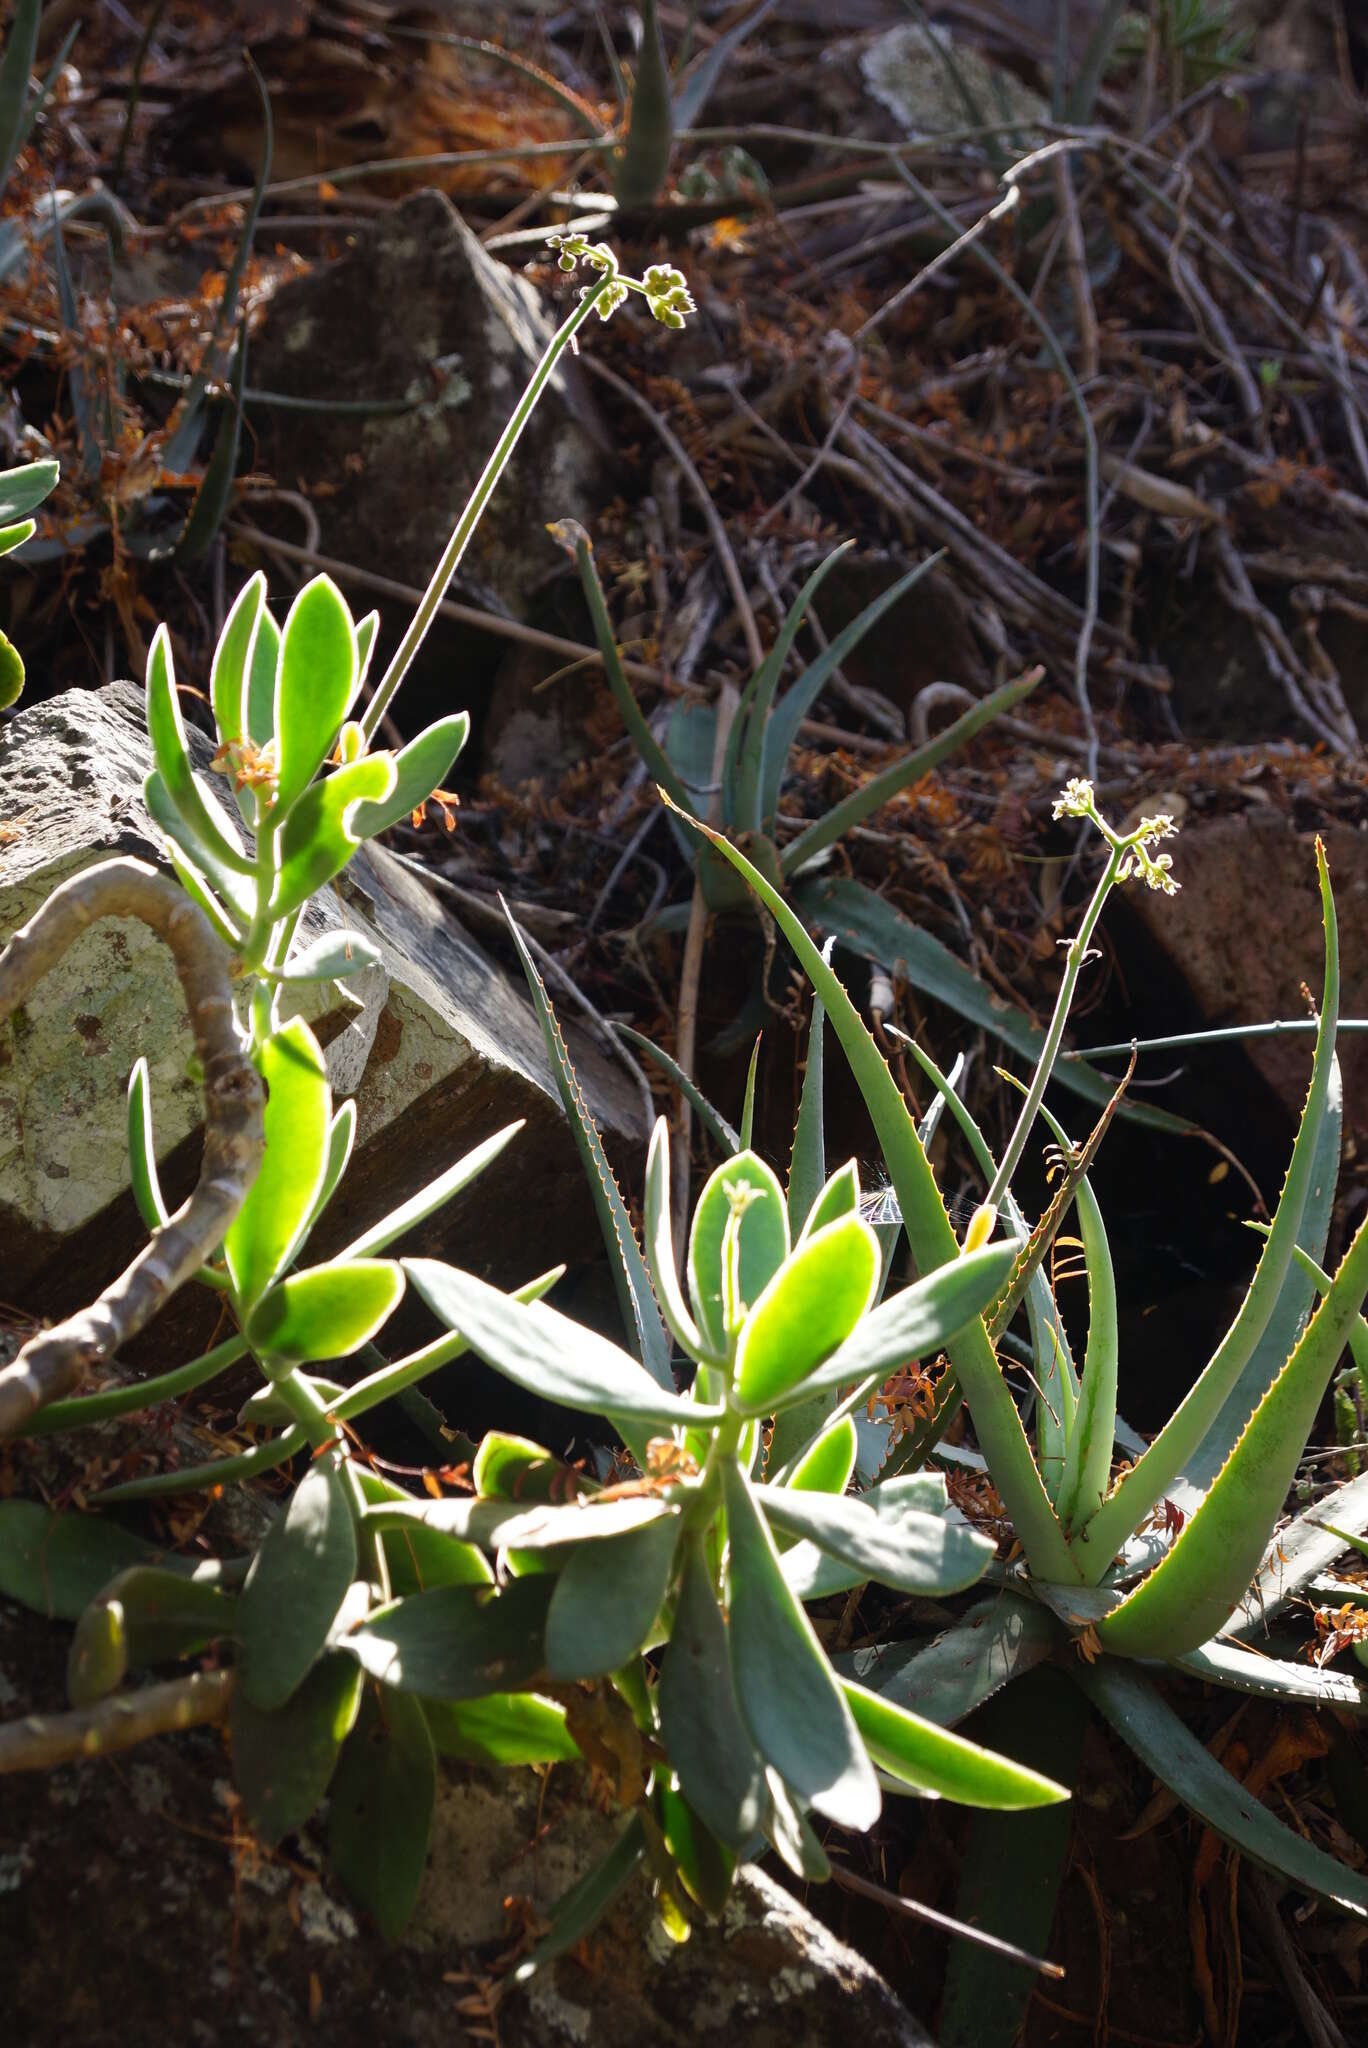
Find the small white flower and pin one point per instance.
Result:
(1076, 798)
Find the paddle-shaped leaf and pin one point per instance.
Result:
(204, 818)
(419, 768)
(791, 1704)
(660, 1257)
(457, 1642)
(827, 1467)
(743, 1185)
(233, 660)
(607, 1598)
(262, 676)
(22, 490)
(380, 1814)
(811, 1306)
(930, 1759)
(1190, 1592)
(546, 1353)
(297, 1582)
(331, 957)
(162, 1615)
(283, 1761)
(325, 1312)
(882, 1536)
(269, 1226)
(704, 1734)
(502, 1728)
(319, 835)
(315, 684)
(417, 1558)
(57, 1564)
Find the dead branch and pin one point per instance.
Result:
(42, 1741)
(57, 1360)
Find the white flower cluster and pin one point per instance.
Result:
(1153, 868)
(1076, 799)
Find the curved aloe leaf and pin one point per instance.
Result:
(640, 1313)
(1188, 1595)
(1091, 1436)
(890, 782)
(932, 1241)
(658, 763)
(1273, 1678)
(1180, 1439)
(1178, 1759)
(744, 781)
(722, 1133)
(807, 1166)
(1299, 1553)
(997, 1641)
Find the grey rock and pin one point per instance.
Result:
(416, 310)
(443, 1050)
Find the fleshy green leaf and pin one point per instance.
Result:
(840, 1197)
(57, 1564)
(283, 1761)
(269, 1226)
(931, 1759)
(325, 1312)
(11, 673)
(811, 1306)
(262, 675)
(380, 1812)
(790, 1702)
(314, 688)
(882, 1536)
(528, 1524)
(1091, 1435)
(607, 1598)
(763, 1246)
(419, 1559)
(457, 1642)
(204, 818)
(187, 851)
(545, 1353)
(232, 660)
(704, 1734)
(1177, 1757)
(502, 1728)
(660, 1256)
(1188, 1595)
(162, 1615)
(419, 768)
(827, 1467)
(22, 490)
(297, 1582)
(704, 1866)
(332, 957)
(319, 835)
(142, 1153)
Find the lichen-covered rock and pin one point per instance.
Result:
(443, 1050)
(416, 311)
(133, 1914)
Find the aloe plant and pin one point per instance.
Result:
(1176, 1559)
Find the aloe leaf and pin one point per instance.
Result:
(1273, 1678)
(1188, 1595)
(746, 809)
(660, 1249)
(1293, 1305)
(762, 1242)
(796, 1713)
(578, 1913)
(142, 1153)
(607, 1598)
(21, 54)
(207, 823)
(811, 1306)
(640, 1313)
(828, 1465)
(859, 919)
(910, 1551)
(1297, 1554)
(327, 1312)
(724, 1137)
(457, 1642)
(211, 500)
(1153, 1474)
(232, 660)
(890, 782)
(704, 1734)
(914, 1323)
(315, 684)
(505, 1728)
(933, 1244)
(748, 1098)
(283, 1761)
(645, 160)
(1178, 1759)
(300, 1575)
(319, 835)
(419, 768)
(807, 1166)
(548, 1354)
(1088, 1454)
(780, 728)
(78, 380)
(269, 1226)
(946, 1680)
(658, 764)
(931, 1759)
(1012, 1868)
(431, 1198)
(380, 1813)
